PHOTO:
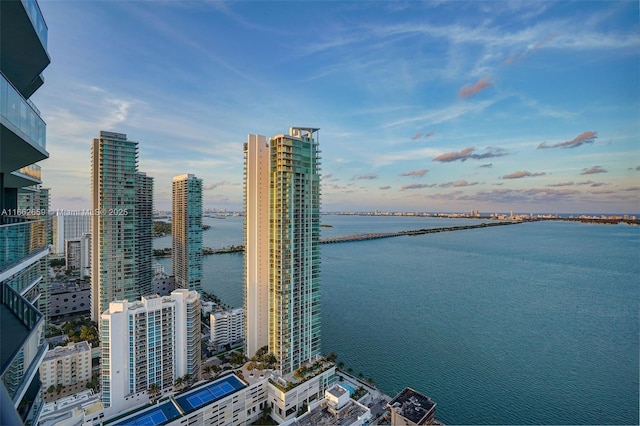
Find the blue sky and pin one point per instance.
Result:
(422, 106)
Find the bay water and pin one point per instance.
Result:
(534, 323)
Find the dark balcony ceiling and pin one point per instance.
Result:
(24, 57)
(15, 152)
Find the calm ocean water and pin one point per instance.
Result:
(526, 324)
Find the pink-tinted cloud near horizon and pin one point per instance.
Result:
(417, 186)
(415, 173)
(522, 174)
(593, 170)
(458, 184)
(583, 138)
(468, 153)
(480, 85)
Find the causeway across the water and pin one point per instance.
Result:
(374, 236)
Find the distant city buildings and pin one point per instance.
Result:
(121, 223)
(186, 228)
(78, 254)
(68, 226)
(227, 327)
(148, 343)
(283, 184)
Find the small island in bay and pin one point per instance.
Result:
(161, 228)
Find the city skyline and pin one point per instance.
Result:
(424, 106)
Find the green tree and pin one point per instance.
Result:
(154, 391)
(179, 383)
(207, 370)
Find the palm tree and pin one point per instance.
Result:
(179, 382)
(207, 370)
(153, 390)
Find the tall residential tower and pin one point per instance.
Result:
(186, 227)
(121, 224)
(290, 199)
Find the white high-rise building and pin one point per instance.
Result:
(67, 227)
(151, 341)
(227, 327)
(256, 256)
(78, 254)
(282, 242)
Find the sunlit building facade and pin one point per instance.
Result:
(293, 235)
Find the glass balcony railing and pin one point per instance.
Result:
(33, 10)
(20, 238)
(26, 346)
(34, 171)
(18, 112)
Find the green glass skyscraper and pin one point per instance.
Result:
(186, 227)
(121, 223)
(293, 228)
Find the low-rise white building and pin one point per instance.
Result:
(227, 327)
(67, 366)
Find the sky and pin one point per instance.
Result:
(441, 106)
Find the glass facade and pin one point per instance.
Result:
(294, 233)
(186, 227)
(122, 223)
(25, 230)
